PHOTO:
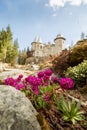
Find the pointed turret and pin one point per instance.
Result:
(37, 39)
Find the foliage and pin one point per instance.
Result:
(78, 53)
(29, 53)
(70, 110)
(78, 73)
(8, 50)
(3, 45)
(5, 42)
(60, 63)
(83, 90)
(22, 57)
(82, 35)
(12, 53)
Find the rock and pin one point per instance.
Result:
(16, 111)
(12, 73)
(34, 67)
(3, 66)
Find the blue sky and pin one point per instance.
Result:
(44, 18)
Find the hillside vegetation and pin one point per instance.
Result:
(78, 53)
(71, 57)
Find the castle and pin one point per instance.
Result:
(43, 50)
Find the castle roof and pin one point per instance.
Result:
(37, 39)
(59, 36)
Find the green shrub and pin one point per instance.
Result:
(78, 53)
(70, 110)
(78, 73)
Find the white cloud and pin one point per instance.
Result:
(61, 3)
(85, 1)
(75, 2)
(56, 3)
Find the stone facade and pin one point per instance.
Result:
(41, 50)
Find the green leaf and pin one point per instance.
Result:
(70, 110)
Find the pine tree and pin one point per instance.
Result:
(82, 35)
(29, 53)
(3, 46)
(12, 53)
(22, 57)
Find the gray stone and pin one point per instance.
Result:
(16, 111)
(12, 73)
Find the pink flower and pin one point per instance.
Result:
(10, 81)
(46, 83)
(37, 81)
(48, 72)
(40, 74)
(36, 92)
(35, 89)
(19, 78)
(47, 97)
(55, 79)
(30, 79)
(19, 86)
(46, 77)
(66, 83)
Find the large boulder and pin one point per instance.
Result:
(16, 111)
(12, 73)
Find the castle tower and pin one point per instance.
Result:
(59, 43)
(37, 47)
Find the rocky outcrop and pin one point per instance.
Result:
(3, 66)
(16, 111)
(12, 73)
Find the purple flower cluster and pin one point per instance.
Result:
(55, 79)
(19, 78)
(40, 74)
(34, 83)
(66, 83)
(10, 81)
(48, 72)
(47, 97)
(47, 77)
(19, 86)
(43, 79)
(15, 82)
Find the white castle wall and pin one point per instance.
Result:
(41, 50)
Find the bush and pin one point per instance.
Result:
(70, 110)
(60, 63)
(78, 73)
(78, 53)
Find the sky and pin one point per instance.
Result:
(44, 18)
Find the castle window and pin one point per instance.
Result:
(40, 47)
(37, 53)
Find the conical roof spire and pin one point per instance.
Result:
(37, 39)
